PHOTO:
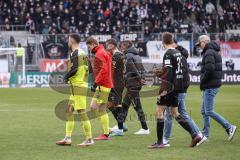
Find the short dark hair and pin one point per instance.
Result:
(167, 38)
(76, 37)
(91, 40)
(175, 40)
(127, 44)
(112, 41)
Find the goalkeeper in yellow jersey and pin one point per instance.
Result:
(77, 77)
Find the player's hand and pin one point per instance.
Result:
(143, 82)
(65, 80)
(94, 87)
(157, 72)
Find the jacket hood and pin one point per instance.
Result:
(211, 45)
(133, 50)
(183, 51)
(100, 46)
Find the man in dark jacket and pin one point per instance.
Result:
(211, 80)
(134, 79)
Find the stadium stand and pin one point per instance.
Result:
(122, 16)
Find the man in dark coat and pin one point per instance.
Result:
(211, 80)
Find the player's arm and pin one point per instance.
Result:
(101, 64)
(167, 63)
(167, 75)
(132, 65)
(74, 67)
(209, 67)
(158, 72)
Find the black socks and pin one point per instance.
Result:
(118, 115)
(185, 124)
(160, 127)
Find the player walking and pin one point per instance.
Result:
(115, 96)
(181, 102)
(102, 65)
(172, 84)
(77, 77)
(134, 79)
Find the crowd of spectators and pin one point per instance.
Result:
(121, 16)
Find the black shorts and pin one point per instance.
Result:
(169, 100)
(115, 96)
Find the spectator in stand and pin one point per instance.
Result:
(106, 17)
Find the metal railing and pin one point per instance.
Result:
(13, 28)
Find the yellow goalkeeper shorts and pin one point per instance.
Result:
(78, 98)
(101, 95)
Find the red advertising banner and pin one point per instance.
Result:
(53, 65)
(230, 49)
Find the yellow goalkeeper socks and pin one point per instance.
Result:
(87, 129)
(105, 123)
(86, 125)
(69, 124)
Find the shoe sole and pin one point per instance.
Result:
(233, 134)
(141, 134)
(204, 139)
(118, 135)
(195, 141)
(149, 147)
(101, 139)
(87, 145)
(63, 144)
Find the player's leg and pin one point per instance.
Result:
(80, 106)
(101, 103)
(113, 109)
(111, 105)
(183, 111)
(167, 127)
(114, 105)
(104, 118)
(86, 125)
(135, 96)
(126, 104)
(160, 126)
(69, 126)
(186, 125)
(206, 119)
(123, 109)
(209, 95)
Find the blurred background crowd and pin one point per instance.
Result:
(120, 16)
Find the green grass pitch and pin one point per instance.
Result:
(29, 129)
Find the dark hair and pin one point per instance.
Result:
(112, 41)
(127, 44)
(167, 38)
(76, 37)
(91, 40)
(175, 40)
